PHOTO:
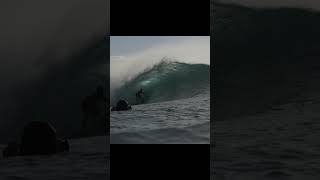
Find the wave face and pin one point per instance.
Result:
(167, 81)
(259, 59)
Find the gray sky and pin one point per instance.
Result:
(314, 4)
(130, 46)
(151, 49)
(124, 45)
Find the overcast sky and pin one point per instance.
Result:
(121, 45)
(160, 46)
(314, 4)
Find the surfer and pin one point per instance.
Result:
(139, 96)
(94, 108)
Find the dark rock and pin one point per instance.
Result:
(122, 105)
(62, 145)
(38, 138)
(41, 138)
(12, 149)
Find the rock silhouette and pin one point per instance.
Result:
(38, 138)
(122, 105)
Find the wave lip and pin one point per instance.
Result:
(165, 81)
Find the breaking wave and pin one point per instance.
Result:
(165, 81)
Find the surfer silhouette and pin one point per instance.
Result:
(139, 96)
(94, 108)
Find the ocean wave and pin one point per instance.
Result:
(165, 81)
